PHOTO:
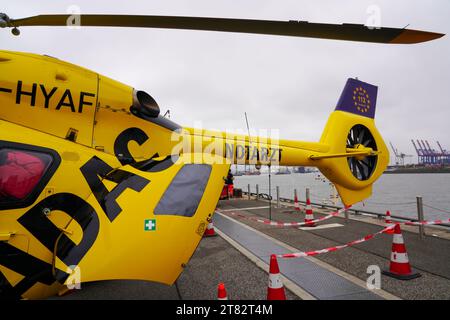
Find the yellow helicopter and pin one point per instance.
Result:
(93, 178)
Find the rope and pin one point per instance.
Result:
(390, 203)
(437, 209)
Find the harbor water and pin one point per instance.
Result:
(394, 192)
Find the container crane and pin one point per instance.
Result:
(420, 155)
(445, 154)
(425, 151)
(433, 154)
(427, 155)
(399, 156)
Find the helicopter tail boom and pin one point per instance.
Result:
(351, 153)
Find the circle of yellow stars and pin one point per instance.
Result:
(363, 102)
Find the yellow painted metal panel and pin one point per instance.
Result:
(48, 95)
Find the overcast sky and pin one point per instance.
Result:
(285, 83)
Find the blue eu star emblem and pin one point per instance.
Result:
(361, 99)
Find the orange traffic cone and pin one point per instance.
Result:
(388, 222)
(399, 267)
(275, 290)
(210, 232)
(309, 214)
(296, 204)
(221, 292)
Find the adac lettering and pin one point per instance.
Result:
(36, 222)
(52, 97)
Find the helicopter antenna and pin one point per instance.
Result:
(167, 114)
(270, 187)
(249, 138)
(248, 128)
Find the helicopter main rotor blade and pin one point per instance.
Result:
(351, 32)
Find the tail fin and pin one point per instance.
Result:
(351, 126)
(359, 98)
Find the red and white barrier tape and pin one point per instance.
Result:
(335, 248)
(366, 238)
(330, 215)
(426, 223)
(330, 249)
(290, 224)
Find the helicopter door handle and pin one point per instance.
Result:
(61, 76)
(6, 236)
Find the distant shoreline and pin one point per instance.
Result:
(418, 170)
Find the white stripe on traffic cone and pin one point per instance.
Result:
(399, 266)
(309, 214)
(275, 290)
(296, 204)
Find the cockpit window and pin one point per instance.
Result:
(183, 195)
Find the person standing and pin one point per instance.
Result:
(229, 183)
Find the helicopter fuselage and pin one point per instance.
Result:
(94, 179)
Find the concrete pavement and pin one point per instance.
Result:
(431, 255)
(214, 261)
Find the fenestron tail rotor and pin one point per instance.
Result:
(350, 32)
(363, 166)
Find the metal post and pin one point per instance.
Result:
(278, 196)
(249, 194)
(307, 194)
(420, 217)
(295, 194)
(346, 216)
(270, 194)
(257, 192)
(335, 197)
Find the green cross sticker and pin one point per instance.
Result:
(150, 225)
